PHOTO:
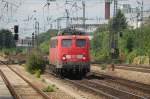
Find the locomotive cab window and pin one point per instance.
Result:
(53, 43)
(66, 43)
(80, 42)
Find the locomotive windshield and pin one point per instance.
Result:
(80, 42)
(66, 42)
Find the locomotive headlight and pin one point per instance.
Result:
(63, 58)
(84, 58)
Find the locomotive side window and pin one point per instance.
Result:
(66, 43)
(53, 43)
(80, 42)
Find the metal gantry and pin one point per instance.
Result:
(70, 19)
(7, 10)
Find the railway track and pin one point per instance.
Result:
(125, 65)
(138, 68)
(134, 68)
(22, 88)
(133, 65)
(125, 82)
(94, 86)
(102, 89)
(105, 90)
(81, 86)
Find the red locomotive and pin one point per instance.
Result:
(69, 53)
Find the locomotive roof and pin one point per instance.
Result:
(69, 36)
(71, 32)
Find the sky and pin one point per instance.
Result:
(31, 9)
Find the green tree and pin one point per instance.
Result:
(45, 47)
(44, 40)
(47, 35)
(116, 26)
(118, 23)
(130, 44)
(6, 39)
(100, 44)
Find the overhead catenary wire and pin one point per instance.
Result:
(8, 9)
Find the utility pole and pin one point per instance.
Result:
(48, 8)
(115, 7)
(114, 36)
(37, 33)
(36, 30)
(67, 16)
(83, 4)
(138, 14)
(142, 13)
(48, 3)
(58, 23)
(48, 12)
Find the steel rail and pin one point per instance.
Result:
(9, 86)
(125, 65)
(122, 91)
(93, 89)
(27, 81)
(128, 83)
(84, 86)
(105, 94)
(137, 68)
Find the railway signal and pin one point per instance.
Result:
(33, 37)
(16, 37)
(16, 30)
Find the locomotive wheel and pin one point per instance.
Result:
(84, 72)
(79, 75)
(59, 72)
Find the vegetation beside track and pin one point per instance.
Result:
(49, 88)
(35, 64)
(44, 39)
(7, 45)
(134, 46)
(6, 39)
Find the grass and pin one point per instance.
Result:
(38, 73)
(43, 80)
(49, 88)
(35, 64)
(103, 66)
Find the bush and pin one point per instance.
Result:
(50, 88)
(38, 73)
(141, 60)
(100, 55)
(103, 66)
(35, 62)
(131, 56)
(43, 80)
(7, 51)
(45, 47)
